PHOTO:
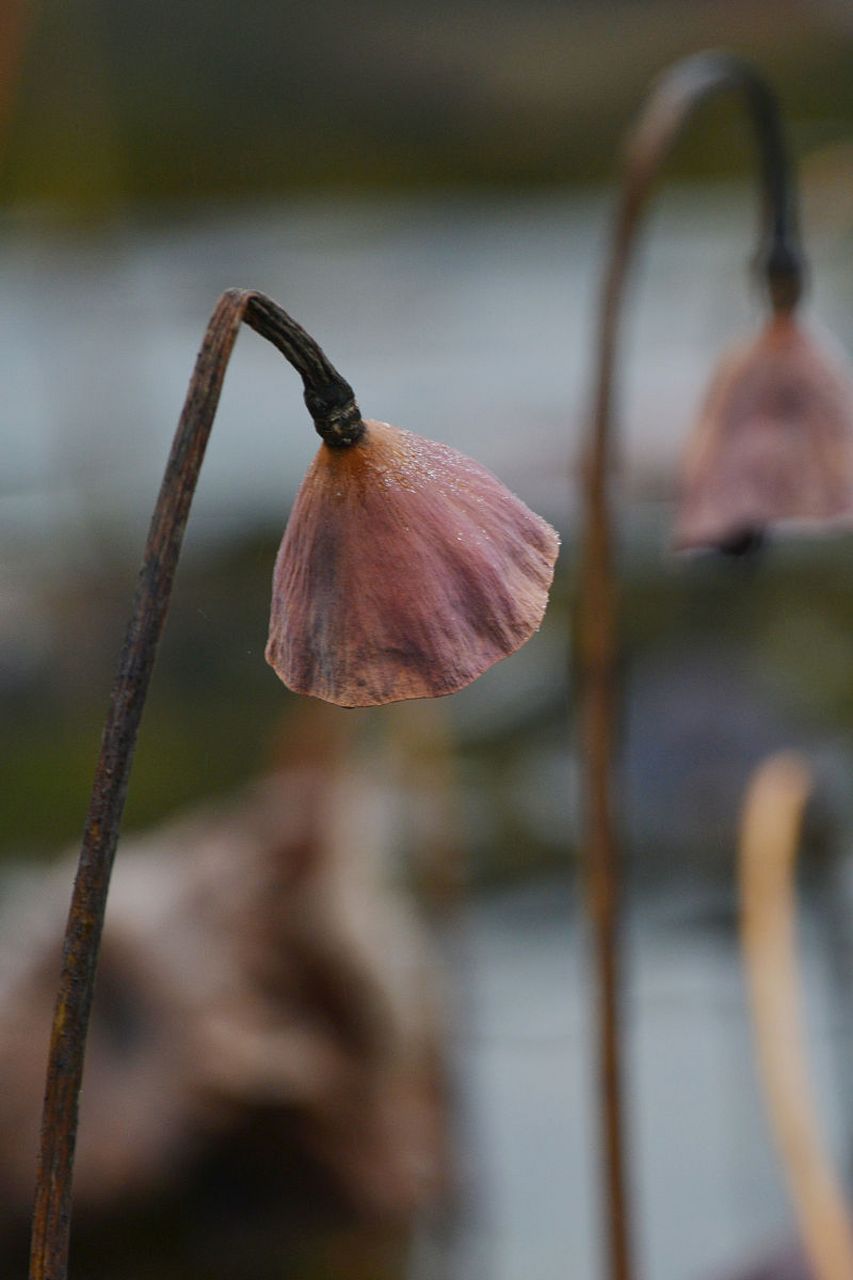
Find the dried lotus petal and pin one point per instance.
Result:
(774, 443)
(406, 570)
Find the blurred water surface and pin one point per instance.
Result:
(710, 1196)
(464, 319)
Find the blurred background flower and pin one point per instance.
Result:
(426, 189)
(773, 444)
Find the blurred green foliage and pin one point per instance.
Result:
(140, 100)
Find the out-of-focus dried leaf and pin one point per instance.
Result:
(406, 571)
(255, 964)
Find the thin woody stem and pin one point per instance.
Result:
(672, 102)
(332, 404)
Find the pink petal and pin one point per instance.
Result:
(774, 442)
(406, 570)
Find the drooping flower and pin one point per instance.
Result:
(774, 443)
(406, 570)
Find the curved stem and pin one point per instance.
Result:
(770, 837)
(671, 104)
(332, 404)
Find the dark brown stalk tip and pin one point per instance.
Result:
(773, 446)
(744, 544)
(329, 397)
(783, 268)
(406, 571)
(336, 415)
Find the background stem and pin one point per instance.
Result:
(770, 839)
(336, 413)
(669, 107)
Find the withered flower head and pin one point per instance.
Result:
(406, 570)
(774, 443)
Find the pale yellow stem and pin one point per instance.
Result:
(770, 838)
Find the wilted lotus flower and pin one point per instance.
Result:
(774, 443)
(406, 570)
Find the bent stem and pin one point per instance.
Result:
(770, 838)
(331, 402)
(671, 104)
